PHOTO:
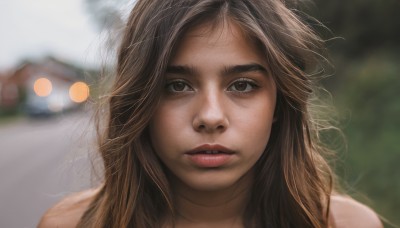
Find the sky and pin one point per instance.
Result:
(60, 28)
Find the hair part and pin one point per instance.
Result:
(293, 182)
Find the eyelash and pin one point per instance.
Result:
(187, 87)
(170, 89)
(248, 82)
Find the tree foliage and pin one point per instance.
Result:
(364, 24)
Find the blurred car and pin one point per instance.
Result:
(46, 106)
(46, 98)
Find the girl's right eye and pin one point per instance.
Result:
(178, 86)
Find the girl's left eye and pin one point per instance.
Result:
(242, 86)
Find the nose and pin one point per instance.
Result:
(210, 115)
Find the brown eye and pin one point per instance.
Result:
(243, 86)
(240, 86)
(178, 86)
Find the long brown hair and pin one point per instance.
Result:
(293, 182)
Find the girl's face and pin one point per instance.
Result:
(214, 119)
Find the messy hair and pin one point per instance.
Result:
(293, 182)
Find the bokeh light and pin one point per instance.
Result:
(42, 87)
(79, 92)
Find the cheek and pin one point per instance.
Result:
(169, 117)
(158, 127)
(256, 135)
(255, 126)
(164, 127)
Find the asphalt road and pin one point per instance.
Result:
(41, 161)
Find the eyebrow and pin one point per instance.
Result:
(230, 70)
(240, 69)
(181, 70)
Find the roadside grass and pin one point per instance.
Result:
(8, 118)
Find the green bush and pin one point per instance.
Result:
(368, 96)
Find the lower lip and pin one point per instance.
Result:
(209, 160)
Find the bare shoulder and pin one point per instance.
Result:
(347, 212)
(68, 211)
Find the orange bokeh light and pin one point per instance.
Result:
(79, 92)
(42, 87)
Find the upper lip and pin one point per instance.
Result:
(208, 147)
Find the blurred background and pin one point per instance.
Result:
(365, 90)
(51, 55)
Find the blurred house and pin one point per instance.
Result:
(8, 92)
(39, 87)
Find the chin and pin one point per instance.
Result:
(212, 181)
(209, 186)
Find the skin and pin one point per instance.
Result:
(345, 212)
(218, 91)
(204, 106)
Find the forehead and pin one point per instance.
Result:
(218, 32)
(222, 38)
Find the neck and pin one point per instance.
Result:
(217, 208)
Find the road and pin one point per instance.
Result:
(40, 162)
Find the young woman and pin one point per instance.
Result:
(209, 125)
